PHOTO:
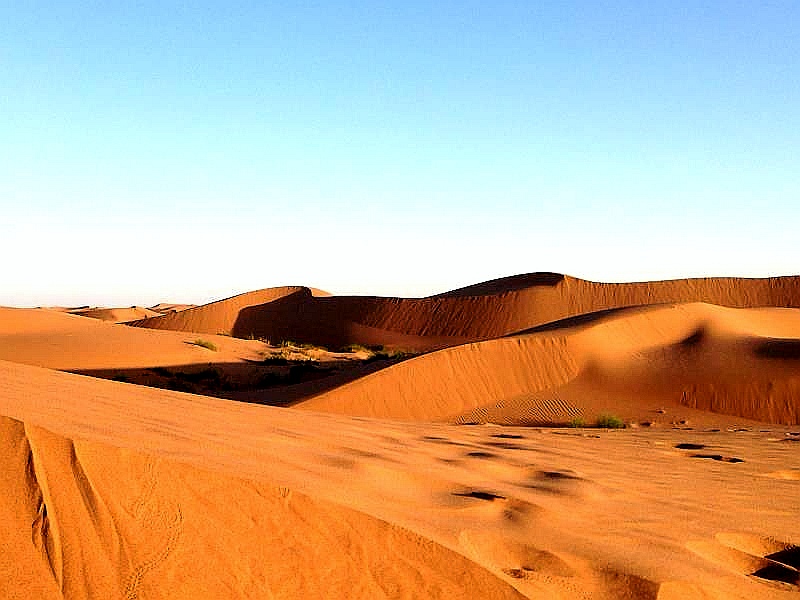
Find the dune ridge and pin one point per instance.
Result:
(698, 355)
(219, 316)
(483, 311)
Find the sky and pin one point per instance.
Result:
(185, 152)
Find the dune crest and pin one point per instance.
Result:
(483, 311)
(623, 362)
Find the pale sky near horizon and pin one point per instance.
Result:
(188, 152)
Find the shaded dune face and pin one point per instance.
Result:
(483, 311)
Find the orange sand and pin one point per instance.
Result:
(113, 490)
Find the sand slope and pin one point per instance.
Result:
(220, 316)
(742, 362)
(64, 341)
(483, 311)
(111, 490)
(117, 315)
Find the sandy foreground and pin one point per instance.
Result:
(417, 480)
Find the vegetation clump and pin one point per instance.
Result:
(610, 422)
(205, 344)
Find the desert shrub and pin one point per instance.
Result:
(275, 359)
(353, 348)
(389, 355)
(577, 422)
(205, 344)
(610, 422)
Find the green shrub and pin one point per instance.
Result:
(610, 422)
(577, 422)
(205, 344)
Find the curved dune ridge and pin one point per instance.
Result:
(117, 315)
(483, 311)
(740, 362)
(220, 317)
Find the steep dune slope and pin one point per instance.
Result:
(742, 362)
(220, 316)
(483, 311)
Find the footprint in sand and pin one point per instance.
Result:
(719, 457)
(765, 559)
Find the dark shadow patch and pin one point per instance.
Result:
(480, 495)
(480, 454)
(719, 457)
(788, 556)
(557, 475)
(435, 439)
(784, 349)
(695, 339)
(689, 446)
(778, 573)
(508, 436)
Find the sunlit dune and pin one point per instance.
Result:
(537, 436)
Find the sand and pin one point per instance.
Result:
(480, 312)
(631, 363)
(418, 480)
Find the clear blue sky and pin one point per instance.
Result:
(190, 151)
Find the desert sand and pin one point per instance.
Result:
(458, 460)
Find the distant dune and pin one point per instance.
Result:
(483, 311)
(741, 362)
(117, 315)
(65, 341)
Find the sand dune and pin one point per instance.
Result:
(479, 312)
(376, 488)
(166, 307)
(117, 315)
(221, 316)
(68, 342)
(740, 362)
(112, 490)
